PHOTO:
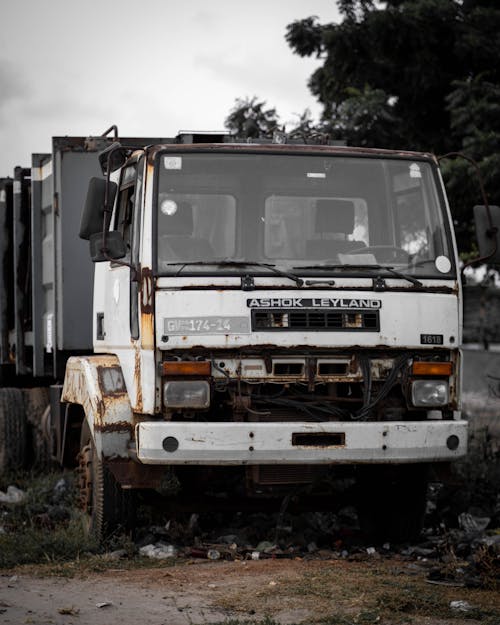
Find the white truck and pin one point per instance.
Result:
(270, 314)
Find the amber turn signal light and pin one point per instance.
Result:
(442, 369)
(187, 367)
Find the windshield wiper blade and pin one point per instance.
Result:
(241, 263)
(391, 270)
(405, 276)
(253, 263)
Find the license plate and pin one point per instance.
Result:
(206, 325)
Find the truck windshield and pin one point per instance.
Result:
(302, 213)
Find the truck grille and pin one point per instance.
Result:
(318, 320)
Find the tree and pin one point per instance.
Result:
(411, 51)
(474, 106)
(248, 118)
(413, 74)
(405, 74)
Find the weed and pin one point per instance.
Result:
(43, 527)
(487, 566)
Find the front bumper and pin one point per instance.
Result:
(299, 443)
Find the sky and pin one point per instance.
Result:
(152, 68)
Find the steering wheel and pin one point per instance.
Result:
(385, 253)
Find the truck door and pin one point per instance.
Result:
(116, 325)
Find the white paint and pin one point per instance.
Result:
(404, 316)
(271, 443)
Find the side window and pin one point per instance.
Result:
(125, 204)
(412, 220)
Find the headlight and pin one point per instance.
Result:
(430, 393)
(186, 394)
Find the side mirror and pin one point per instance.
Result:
(487, 232)
(113, 157)
(114, 249)
(92, 220)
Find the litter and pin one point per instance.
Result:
(461, 606)
(12, 495)
(158, 551)
(472, 524)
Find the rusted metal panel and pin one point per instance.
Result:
(133, 475)
(96, 383)
(138, 379)
(147, 308)
(289, 149)
(389, 442)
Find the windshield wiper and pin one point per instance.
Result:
(241, 263)
(391, 270)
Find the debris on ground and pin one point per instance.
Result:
(12, 495)
(70, 611)
(459, 547)
(158, 551)
(461, 606)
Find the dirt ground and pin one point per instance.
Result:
(388, 591)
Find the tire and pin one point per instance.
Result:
(36, 404)
(12, 430)
(108, 508)
(392, 501)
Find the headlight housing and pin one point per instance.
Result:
(430, 393)
(186, 394)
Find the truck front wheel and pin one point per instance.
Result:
(108, 509)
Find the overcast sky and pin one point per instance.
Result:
(152, 67)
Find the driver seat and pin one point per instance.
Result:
(334, 222)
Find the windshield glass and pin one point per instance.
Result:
(298, 212)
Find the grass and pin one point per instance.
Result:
(44, 536)
(44, 527)
(363, 593)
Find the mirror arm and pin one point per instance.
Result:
(108, 211)
(492, 230)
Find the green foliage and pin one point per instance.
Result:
(414, 74)
(404, 74)
(249, 118)
(365, 116)
(412, 51)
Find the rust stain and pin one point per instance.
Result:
(285, 149)
(132, 475)
(137, 379)
(119, 426)
(147, 308)
(278, 287)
